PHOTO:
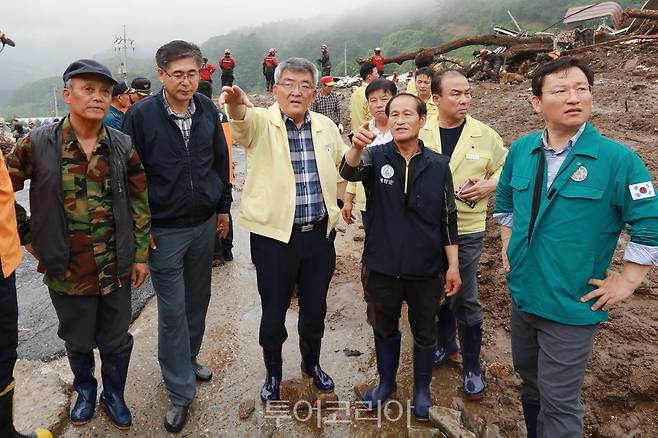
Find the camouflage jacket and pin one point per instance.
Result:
(88, 210)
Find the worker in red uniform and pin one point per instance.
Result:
(378, 60)
(206, 70)
(227, 64)
(269, 65)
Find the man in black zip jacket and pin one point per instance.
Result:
(177, 134)
(411, 238)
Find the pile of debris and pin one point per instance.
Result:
(523, 52)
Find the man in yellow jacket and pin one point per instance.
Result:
(423, 84)
(289, 204)
(10, 257)
(476, 156)
(359, 112)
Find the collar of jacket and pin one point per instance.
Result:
(53, 133)
(392, 151)
(275, 113)
(587, 143)
(471, 129)
(198, 107)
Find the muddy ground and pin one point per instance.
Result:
(621, 388)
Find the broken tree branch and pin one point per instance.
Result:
(476, 40)
(452, 59)
(646, 14)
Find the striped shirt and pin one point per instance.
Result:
(309, 203)
(183, 121)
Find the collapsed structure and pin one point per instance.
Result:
(520, 49)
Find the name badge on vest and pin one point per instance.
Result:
(580, 174)
(472, 157)
(387, 173)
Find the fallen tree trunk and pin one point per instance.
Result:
(646, 14)
(452, 59)
(476, 40)
(607, 43)
(525, 49)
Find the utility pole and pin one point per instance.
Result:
(345, 58)
(121, 44)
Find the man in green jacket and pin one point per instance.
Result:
(564, 196)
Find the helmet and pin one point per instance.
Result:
(377, 50)
(227, 51)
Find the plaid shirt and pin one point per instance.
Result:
(184, 121)
(309, 203)
(328, 106)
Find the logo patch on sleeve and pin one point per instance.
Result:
(642, 190)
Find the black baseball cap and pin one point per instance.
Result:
(141, 86)
(121, 88)
(88, 67)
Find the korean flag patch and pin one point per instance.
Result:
(642, 190)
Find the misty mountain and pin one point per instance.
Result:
(393, 25)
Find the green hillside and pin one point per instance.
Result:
(394, 27)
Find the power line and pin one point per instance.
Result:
(121, 44)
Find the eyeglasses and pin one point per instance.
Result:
(290, 86)
(179, 76)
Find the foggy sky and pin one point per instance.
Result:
(50, 34)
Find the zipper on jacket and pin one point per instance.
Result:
(189, 160)
(187, 152)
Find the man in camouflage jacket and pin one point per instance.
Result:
(89, 231)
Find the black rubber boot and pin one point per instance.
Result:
(422, 399)
(446, 334)
(388, 359)
(530, 414)
(470, 338)
(273, 364)
(310, 350)
(114, 370)
(84, 383)
(7, 416)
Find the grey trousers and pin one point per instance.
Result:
(90, 321)
(466, 304)
(180, 272)
(551, 359)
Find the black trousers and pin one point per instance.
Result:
(8, 328)
(384, 295)
(90, 321)
(227, 78)
(308, 260)
(269, 79)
